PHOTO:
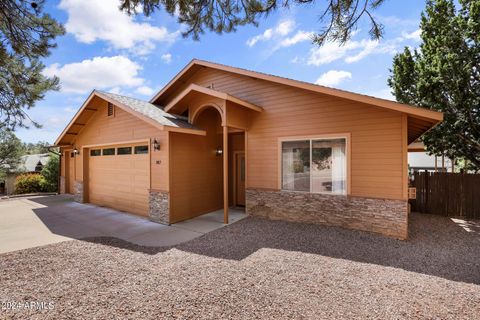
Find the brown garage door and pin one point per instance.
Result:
(119, 178)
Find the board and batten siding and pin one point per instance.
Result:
(117, 129)
(378, 159)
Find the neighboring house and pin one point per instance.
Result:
(420, 160)
(29, 163)
(217, 136)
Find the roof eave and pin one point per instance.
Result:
(392, 105)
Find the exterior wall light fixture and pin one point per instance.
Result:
(76, 152)
(156, 145)
(219, 151)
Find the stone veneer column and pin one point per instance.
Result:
(159, 206)
(62, 185)
(387, 217)
(78, 191)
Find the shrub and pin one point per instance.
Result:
(29, 183)
(50, 173)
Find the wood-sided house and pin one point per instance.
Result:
(217, 136)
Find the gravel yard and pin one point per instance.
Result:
(255, 269)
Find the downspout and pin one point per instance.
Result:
(59, 154)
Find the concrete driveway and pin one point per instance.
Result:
(37, 221)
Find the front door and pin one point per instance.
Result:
(240, 179)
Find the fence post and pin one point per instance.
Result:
(425, 209)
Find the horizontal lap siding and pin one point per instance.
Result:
(376, 134)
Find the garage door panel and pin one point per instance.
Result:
(120, 182)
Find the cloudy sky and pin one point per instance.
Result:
(108, 50)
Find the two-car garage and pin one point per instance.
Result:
(119, 177)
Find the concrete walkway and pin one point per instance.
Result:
(37, 221)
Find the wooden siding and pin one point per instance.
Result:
(377, 146)
(123, 127)
(196, 186)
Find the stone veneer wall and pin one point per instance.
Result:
(159, 206)
(388, 217)
(62, 185)
(78, 191)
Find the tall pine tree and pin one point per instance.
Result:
(444, 75)
(26, 35)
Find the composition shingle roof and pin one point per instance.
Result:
(150, 110)
(29, 162)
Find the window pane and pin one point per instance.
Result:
(95, 152)
(141, 149)
(124, 150)
(296, 165)
(329, 166)
(108, 152)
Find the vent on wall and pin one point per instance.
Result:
(110, 109)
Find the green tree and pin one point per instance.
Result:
(26, 35)
(50, 173)
(37, 147)
(11, 149)
(339, 18)
(444, 75)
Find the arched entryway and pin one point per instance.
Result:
(202, 166)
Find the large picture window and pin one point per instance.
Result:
(315, 165)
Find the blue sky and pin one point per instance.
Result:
(136, 56)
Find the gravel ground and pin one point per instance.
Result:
(255, 269)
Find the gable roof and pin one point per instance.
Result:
(195, 64)
(29, 162)
(151, 113)
(194, 88)
(149, 110)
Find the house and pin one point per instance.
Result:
(30, 163)
(218, 136)
(420, 160)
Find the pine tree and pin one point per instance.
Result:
(339, 18)
(26, 35)
(444, 75)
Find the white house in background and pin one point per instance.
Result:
(419, 160)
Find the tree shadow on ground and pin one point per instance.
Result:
(436, 246)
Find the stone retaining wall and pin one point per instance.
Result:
(159, 206)
(388, 217)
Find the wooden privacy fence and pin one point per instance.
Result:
(447, 194)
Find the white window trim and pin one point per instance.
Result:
(346, 136)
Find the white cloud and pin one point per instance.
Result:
(300, 36)
(352, 51)
(91, 20)
(330, 52)
(333, 77)
(167, 58)
(281, 30)
(285, 27)
(261, 37)
(144, 90)
(415, 35)
(99, 73)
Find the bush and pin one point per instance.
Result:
(50, 173)
(30, 183)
